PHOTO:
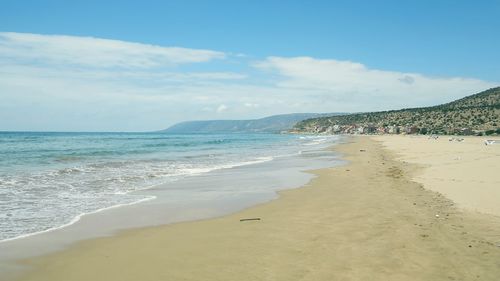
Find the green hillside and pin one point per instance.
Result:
(475, 114)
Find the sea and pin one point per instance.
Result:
(50, 180)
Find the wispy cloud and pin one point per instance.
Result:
(361, 88)
(221, 108)
(81, 83)
(96, 52)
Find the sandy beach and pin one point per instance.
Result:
(465, 171)
(387, 215)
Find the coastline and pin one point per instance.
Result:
(367, 220)
(202, 196)
(56, 188)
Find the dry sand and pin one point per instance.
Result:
(363, 221)
(468, 172)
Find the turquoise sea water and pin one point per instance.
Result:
(48, 180)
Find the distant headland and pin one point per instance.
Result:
(271, 124)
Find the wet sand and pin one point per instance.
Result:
(367, 220)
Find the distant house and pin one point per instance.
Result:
(393, 130)
(412, 130)
(466, 131)
(449, 131)
(382, 130)
(369, 129)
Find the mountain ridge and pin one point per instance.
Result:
(269, 124)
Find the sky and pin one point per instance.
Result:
(145, 65)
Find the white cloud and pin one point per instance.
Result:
(361, 88)
(251, 105)
(80, 83)
(96, 52)
(221, 108)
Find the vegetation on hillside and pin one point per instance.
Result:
(476, 114)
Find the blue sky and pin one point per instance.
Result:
(143, 65)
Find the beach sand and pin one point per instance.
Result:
(364, 221)
(466, 172)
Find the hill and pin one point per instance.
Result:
(271, 124)
(475, 114)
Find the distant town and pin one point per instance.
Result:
(364, 129)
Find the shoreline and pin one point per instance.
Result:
(364, 220)
(75, 220)
(57, 188)
(78, 217)
(284, 172)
